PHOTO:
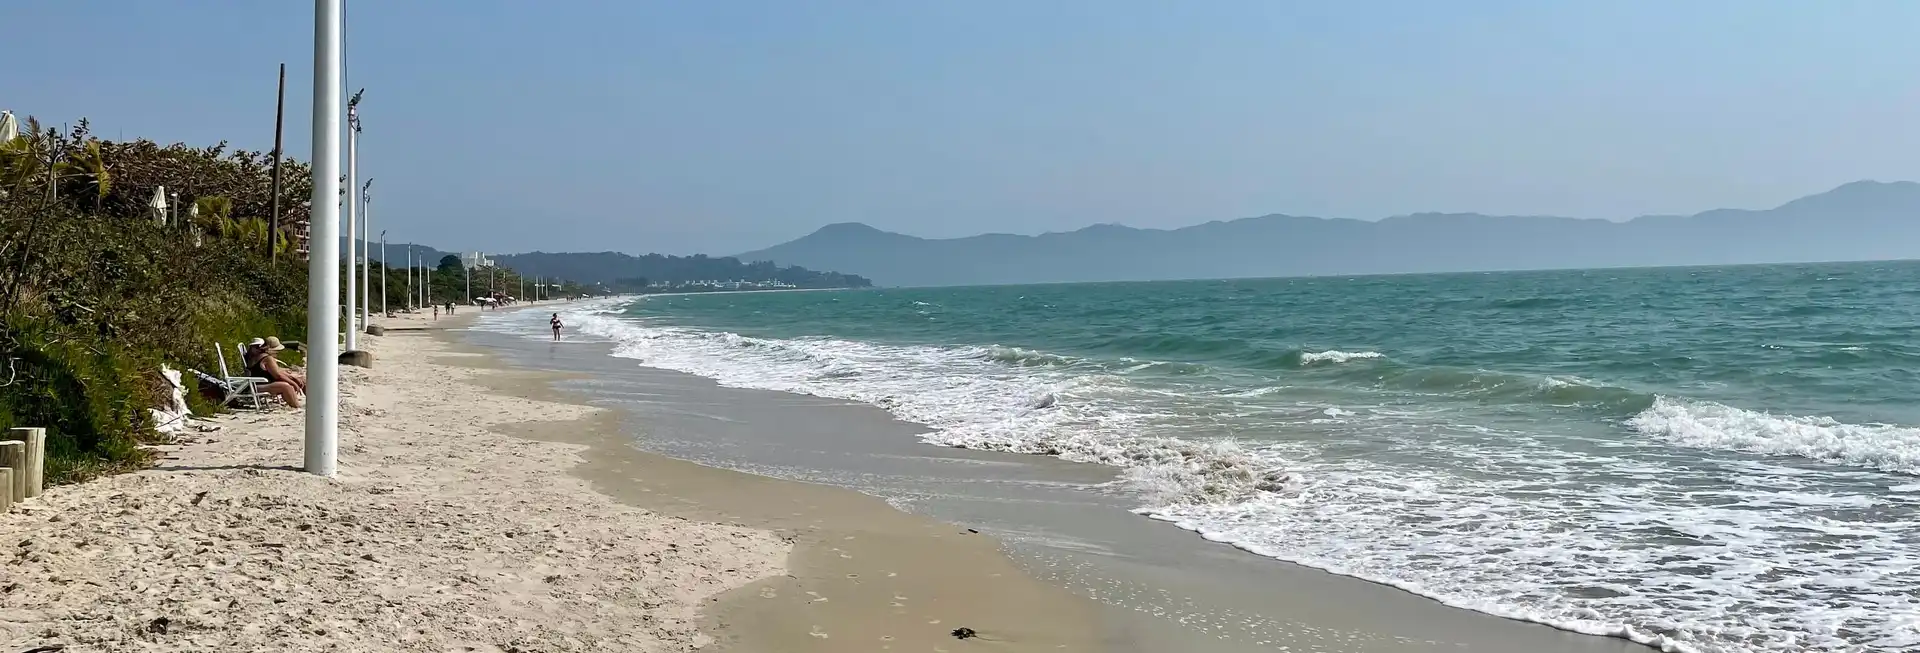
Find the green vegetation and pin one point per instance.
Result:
(97, 291)
(450, 282)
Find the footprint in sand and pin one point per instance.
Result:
(768, 593)
(816, 633)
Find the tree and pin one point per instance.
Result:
(449, 263)
(90, 164)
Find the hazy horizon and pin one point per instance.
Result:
(722, 128)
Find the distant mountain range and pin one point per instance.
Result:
(1864, 220)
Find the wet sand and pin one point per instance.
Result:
(862, 576)
(1132, 584)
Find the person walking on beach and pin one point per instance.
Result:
(555, 321)
(436, 311)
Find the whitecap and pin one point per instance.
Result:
(1335, 356)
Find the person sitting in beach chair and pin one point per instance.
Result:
(262, 362)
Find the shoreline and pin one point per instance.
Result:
(861, 573)
(1223, 598)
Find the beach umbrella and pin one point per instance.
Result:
(159, 204)
(9, 126)
(193, 218)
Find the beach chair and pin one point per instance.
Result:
(233, 394)
(248, 386)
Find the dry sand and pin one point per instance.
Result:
(439, 534)
(478, 510)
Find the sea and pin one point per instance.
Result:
(1714, 459)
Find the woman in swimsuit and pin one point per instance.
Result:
(555, 321)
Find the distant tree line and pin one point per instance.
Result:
(626, 272)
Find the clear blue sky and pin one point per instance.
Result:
(723, 126)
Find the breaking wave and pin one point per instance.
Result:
(1706, 425)
(990, 398)
(1311, 357)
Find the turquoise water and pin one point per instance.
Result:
(1711, 459)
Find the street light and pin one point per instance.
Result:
(366, 254)
(383, 264)
(323, 261)
(353, 160)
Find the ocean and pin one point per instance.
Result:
(1703, 459)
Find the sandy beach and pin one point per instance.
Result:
(472, 514)
(439, 534)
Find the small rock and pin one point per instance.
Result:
(964, 633)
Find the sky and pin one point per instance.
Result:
(729, 125)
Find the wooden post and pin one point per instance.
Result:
(279, 116)
(36, 439)
(6, 498)
(13, 455)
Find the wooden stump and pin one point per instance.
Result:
(376, 330)
(357, 358)
(6, 498)
(36, 439)
(13, 455)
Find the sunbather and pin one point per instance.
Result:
(261, 362)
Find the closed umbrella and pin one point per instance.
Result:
(159, 204)
(9, 126)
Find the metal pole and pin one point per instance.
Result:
(383, 267)
(323, 264)
(476, 261)
(366, 253)
(353, 156)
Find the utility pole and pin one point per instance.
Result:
(469, 268)
(323, 262)
(279, 119)
(353, 157)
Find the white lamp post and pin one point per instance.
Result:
(353, 158)
(323, 260)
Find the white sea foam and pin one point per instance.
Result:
(1309, 358)
(990, 398)
(1708, 425)
(1530, 535)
